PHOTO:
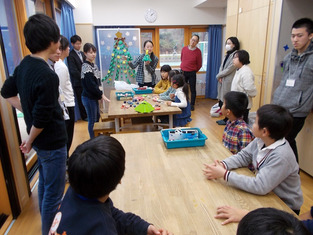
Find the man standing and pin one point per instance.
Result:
(75, 61)
(33, 89)
(191, 62)
(295, 91)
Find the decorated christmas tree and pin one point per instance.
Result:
(119, 69)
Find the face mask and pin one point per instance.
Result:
(228, 47)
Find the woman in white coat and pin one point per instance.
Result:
(226, 72)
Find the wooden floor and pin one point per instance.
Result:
(29, 220)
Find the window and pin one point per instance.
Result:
(169, 41)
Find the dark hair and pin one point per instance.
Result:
(39, 31)
(304, 23)
(243, 56)
(144, 44)
(196, 35)
(179, 80)
(75, 38)
(96, 166)
(237, 102)
(270, 221)
(235, 41)
(165, 68)
(172, 73)
(276, 119)
(89, 46)
(64, 43)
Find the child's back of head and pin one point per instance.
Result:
(96, 167)
(276, 119)
(236, 102)
(39, 31)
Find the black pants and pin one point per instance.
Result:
(191, 79)
(297, 125)
(78, 95)
(70, 127)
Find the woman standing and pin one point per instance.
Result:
(227, 72)
(91, 92)
(146, 69)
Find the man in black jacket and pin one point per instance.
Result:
(75, 61)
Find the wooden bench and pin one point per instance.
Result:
(104, 128)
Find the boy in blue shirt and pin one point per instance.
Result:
(95, 169)
(237, 134)
(272, 157)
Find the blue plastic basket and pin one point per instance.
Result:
(183, 143)
(145, 91)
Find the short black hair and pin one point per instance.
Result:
(196, 35)
(172, 73)
(96, 166)
(235, 41)
(304, 23)
(75, 38)
(89, 46)
(165, 68)
(276, 119)
(243, 56)
(64, 43)
(237, 102)
(39, 32)
(270, 221)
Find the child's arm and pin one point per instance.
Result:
(215, 170)
(183, 101)
(244, 138)
(154, 231)
(157, 89)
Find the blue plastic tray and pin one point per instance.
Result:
(146, 91)
(122, 95)
(183, 143)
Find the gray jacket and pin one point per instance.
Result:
(277, 172)
(227, 74)
(298, 99)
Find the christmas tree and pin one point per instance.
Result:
(119, 69)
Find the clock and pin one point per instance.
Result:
(151, 15)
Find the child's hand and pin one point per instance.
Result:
(169, 103)
(231, 214)
(172, 96)
(214, 171)
(153, 231)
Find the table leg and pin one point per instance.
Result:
(117, 125)
(170, 121)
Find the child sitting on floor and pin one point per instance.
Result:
(181, 101)
(237, 134)
(164, 84)
(95, 169)
(170, 93)
(271, 156)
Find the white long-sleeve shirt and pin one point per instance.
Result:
(244, 82)
(182, 97)
(65, 83)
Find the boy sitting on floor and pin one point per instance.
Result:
(95, 168)
(271, 156)
(237, 134)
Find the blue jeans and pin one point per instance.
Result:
(52, 167)
(93, 113)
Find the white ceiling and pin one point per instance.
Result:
(211, 3)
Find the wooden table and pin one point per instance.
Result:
(166, 187)
(116, 112)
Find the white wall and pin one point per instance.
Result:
(125, 12)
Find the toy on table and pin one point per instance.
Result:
(183, 134)
(128, 95)
(144, 107)
(147, 57)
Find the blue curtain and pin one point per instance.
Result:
(214, 60)
(67, 21)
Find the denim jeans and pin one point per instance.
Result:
(52, 167)
(93, 113)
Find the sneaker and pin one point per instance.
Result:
(221, 122)
(192, 107)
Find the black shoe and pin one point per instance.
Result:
(221, 122)
(192, 107)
